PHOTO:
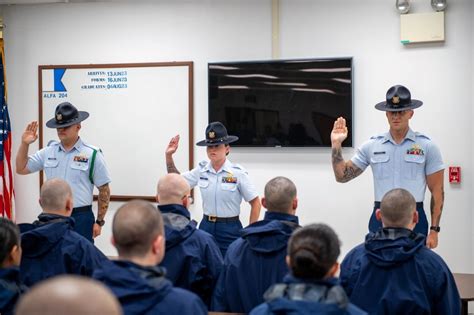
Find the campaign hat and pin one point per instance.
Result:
(398, 98)
(66, 115)
(216, 133)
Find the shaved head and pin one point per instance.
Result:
(54, 195)
(172, 188)
(135, 226)
(279, 195)
(397, 208)
(72, 295)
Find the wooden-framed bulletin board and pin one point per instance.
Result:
(134, 108)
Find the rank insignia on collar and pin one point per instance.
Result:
(415, 150)
(59, 117)
(229, 180)
(212, 134)
(395, 99)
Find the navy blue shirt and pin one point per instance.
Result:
(144, 290)
(51, 247)
(393, 272)
(193, 260)
(253, 263)
(11, 289)
(307, 297)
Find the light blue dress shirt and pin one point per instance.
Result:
(221, 191)
(72, 166)
(403, 165)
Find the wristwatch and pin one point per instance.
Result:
(100, 222)
(435, 228)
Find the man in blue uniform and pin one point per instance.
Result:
(79, 164)
(256, 260)
(400, 158)
(222, 183)
(50, 245)
(135, 279)
(393, 272)
(193, 260)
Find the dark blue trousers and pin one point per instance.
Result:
(224, 232)
(421, 226)
(84, 221)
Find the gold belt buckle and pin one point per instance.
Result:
(212, 218)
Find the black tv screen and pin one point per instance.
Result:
(287, 103)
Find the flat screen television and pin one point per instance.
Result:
(281, 103)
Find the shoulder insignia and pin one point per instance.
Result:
(378, 136)
(93, 147)
(419, 134)
(202, 163)
(238, 167)
(52, 142)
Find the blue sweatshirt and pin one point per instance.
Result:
(51, 247)
(144, 290)
(253, 263)
(307, 297)
(193, 260)
(11, 289)
(393, 272)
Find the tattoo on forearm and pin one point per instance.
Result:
(351, 172)
(171, 168)
(103, 201)
(343, 172)
(337, 156)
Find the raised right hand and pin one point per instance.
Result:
(172, 146)
(339, 131)
(30, 134)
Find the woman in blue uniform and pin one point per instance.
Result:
(311, 287)
(222, 183)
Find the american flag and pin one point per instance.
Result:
(6, 175)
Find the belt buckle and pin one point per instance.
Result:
(212, 218)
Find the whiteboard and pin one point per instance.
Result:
(134, 110)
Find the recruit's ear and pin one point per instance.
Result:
(378, 215)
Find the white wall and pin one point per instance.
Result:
(205, 31)
(119, 33)
(472, 117)
(438, 74)
(471, 304)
